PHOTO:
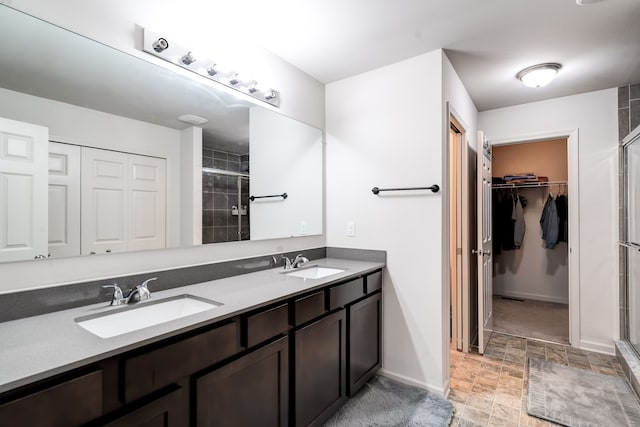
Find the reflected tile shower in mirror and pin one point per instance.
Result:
(225, 196)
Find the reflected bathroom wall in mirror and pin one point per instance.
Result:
(114, 177)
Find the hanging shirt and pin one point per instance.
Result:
(549, 223)
(519, 227)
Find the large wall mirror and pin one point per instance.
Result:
(102, 152)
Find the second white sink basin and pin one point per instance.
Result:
(315, 272)
(144, 315)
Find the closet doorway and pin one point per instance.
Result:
(530, 223)
(460, 166)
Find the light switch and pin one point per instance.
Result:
(303, 227)
(351, 229)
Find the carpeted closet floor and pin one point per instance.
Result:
(542, 320)
(491, 390)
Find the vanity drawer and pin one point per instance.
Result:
(373, 282)
(309, 307)
(348, 292)
(267, 324)
(71, 403)
(157, 368)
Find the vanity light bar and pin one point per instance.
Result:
(156, 45)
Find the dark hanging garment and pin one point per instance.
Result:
(562, 208)
(549, 223)
(506, 222)
(519, 226)
(495, 223)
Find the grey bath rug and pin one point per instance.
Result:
(382, 402)
(576, 397)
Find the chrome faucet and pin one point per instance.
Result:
(299, 261)
(139, 293)
(118, 297)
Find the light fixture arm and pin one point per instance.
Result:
(172, 52)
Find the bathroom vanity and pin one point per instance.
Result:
(279, 350)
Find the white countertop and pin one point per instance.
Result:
(38, 347)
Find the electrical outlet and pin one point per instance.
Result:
(303, 227)
(351, 229)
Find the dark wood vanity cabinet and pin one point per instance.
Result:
(72, 401)
(250, 391)
(292, 363)
(365, 333)
(320, 368)
(163, 411)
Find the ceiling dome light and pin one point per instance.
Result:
(539, 75)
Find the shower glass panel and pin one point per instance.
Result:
(633, 282)
(633, 191)
(225, 196)
(630, 236)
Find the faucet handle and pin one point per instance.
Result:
(146, 282)
(118, 297)
(287, 262)
(300, 261)
(143, 291)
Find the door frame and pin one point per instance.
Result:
(463, 304)
(573, 182)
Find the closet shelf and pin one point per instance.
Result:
(529, 184)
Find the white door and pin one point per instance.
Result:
(485, 275)
(64, 200)
(23, 190)
(104, 201)
(146, 192)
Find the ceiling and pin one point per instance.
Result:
(487, 41)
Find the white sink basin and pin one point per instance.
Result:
(144, 315)
(314, 272)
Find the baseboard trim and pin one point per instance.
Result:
(524, 295)
(410, 381)
(598, 347)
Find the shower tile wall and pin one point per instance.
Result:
(220, 193)
(628, 109)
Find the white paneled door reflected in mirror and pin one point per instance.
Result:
(94, 143)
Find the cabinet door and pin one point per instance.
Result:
(23, 190)
(147, 201)
(104, 201)
(251, 391)
(70, 403)
(320, 371)
(64, 200)
(165, 411)
(364, 323)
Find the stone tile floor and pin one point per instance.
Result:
(491, 390)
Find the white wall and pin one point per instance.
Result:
(191, 186)
(389, 134)
(114, 23)
(285, 156)
(594, 115)
(460, 103)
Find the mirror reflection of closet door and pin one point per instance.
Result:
(104, 201)
(64, 200)
(146, 194)
(23, 190)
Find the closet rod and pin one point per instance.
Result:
(529, 184)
